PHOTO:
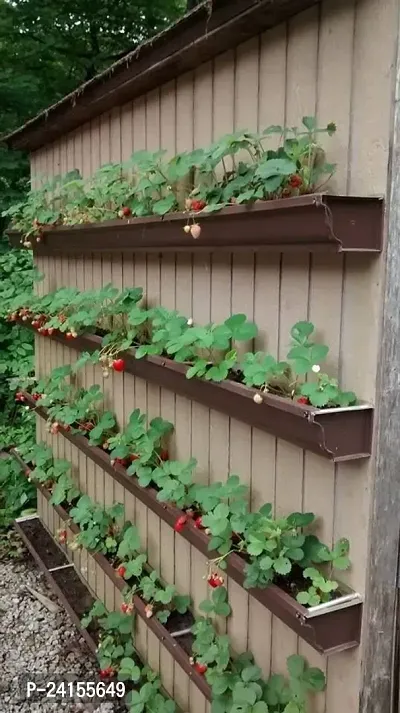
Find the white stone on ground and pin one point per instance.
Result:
(34, 641)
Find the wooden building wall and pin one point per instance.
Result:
(333, 61)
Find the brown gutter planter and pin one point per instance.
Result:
(339, 434)
(309, 223)
(164, 636)
(328, 628)
(53, 576)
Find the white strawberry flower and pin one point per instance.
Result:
(316, 368)
(190, 322)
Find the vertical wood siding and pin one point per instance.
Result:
(333, 61)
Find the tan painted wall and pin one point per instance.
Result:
(333, 61)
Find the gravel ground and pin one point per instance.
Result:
(36, 642)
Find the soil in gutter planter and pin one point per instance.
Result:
(50, 553)
(340, 434)
(308, 223)
(336, 628)
(63, 582)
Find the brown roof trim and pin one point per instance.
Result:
(210, 29)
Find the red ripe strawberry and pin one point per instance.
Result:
(121, 461)
(124, 212)
(197, 522)
(295, 181)
(198, 205)
(44, 332)
(121, 571)
(164, 455)
(214, 580)
(303, 400)
(118, 365)
(69, 335)
(201, 668)
(51, 331)
(124, 607)
(180, 523)
(36, 397)
(35, 323)
(106, 672)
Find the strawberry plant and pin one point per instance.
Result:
(65, 490)
(76, 408)
(282, 378)
(100, 532)
(275, 549)
(173, 479)
(155, 328)
(320, 589)
(51, 472)
(160, 599)
(218, 604)
(236, 682)
(117, 656)
(98, 526)
(140, 445)
(199, 181)
(209, 351)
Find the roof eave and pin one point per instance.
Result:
(198, 37)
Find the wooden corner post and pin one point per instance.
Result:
(379, 660)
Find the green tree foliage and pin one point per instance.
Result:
(61, 43)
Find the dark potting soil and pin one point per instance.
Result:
(77, 596)
(178, 622)
(48, 551)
